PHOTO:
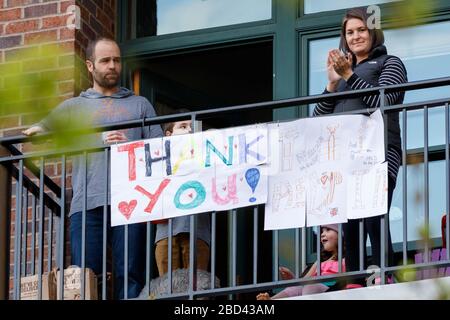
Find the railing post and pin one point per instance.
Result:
(5, 204)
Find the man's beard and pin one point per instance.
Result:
(103, 81)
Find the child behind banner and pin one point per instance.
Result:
(181, 227)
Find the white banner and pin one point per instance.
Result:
(286, 202)
(310, 172)
(188, 174)
(326, 170)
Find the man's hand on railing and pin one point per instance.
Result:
(33, 130)
(111, 137)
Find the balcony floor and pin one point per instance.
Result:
(430, 289)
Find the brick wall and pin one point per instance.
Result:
(28, 28)
(26, 24)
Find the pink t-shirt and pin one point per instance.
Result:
(329, 267)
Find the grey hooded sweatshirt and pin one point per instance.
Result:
(93, 108)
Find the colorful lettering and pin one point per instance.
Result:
(210, 146)
(130, 148)
(232, 194)
(187, 153)
(153, 197)
(149, 160)
(197, 201)
(244, 149)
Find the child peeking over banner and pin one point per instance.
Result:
(181, 227)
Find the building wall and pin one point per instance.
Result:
(26, 24)
(27, 29)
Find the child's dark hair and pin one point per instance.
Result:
(169, 126)
(325, 255)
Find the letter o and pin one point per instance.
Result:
(199, 199)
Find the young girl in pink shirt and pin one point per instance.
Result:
(328, 266)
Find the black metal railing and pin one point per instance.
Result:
(47, 195)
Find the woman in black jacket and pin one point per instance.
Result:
(362, 62)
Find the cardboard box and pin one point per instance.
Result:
(72, 284)
(29, 287)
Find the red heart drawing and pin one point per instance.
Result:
(324, 179)
(191, 195)
(333, 212)
(127, 208)
(157, 152)
(224, 188)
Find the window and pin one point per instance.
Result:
(415, 201)
(158, 17)
(312, 6)
(425, 51)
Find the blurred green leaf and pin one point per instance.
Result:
(29, 84)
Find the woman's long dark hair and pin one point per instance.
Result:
(360, 13)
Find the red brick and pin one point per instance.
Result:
(41, 10)
(109, 10)
(84, 13)
(12, 14)
(90, 6)
(96, 26)
(39, 64)
(9, 122)
(58, 48)
(50, 170)
(19, 3)
(12, 132)
(29, 79)
(1, 28)
(17, 107)
(66, 87)
(82, 41)
(87, 31)
(10, 42)
(48, 104)
(10, 68)
(66, 34)
(40, 37)
(31, 118)
(53, 22)
(20, 54)
(66, 61)
(35, 93)
(68, 170)
(66, 4)
(103, 18)
(21, 26)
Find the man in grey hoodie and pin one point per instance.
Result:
(104, 103)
